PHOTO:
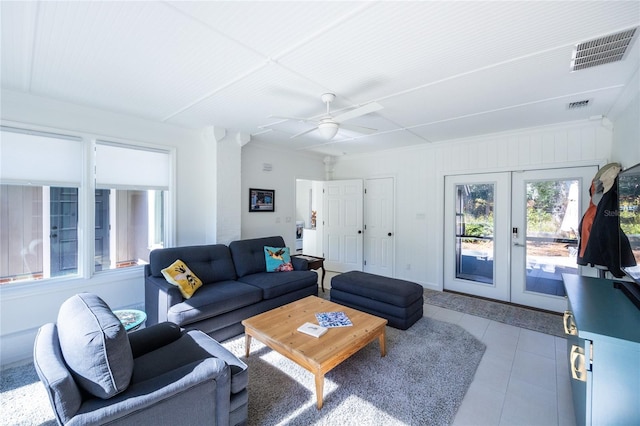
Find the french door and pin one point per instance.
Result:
(510, 236)
(545, 220)
(476, 239)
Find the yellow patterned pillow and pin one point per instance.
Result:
(180, 275)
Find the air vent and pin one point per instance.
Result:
(601, 51)
(578, 104)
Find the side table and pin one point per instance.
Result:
(132, 319)
(313, 262)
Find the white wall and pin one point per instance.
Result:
(420, 172)
(287, 166)
(626, 129)
(25, 307)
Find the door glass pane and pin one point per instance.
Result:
(552, 234)
(474, 232)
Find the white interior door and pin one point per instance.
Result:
(547, 208)
(342, 224)
(477, 218)
(379, 226)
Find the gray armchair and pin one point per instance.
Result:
(96, 373)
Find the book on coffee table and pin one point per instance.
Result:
(333, 319)
(311, 329)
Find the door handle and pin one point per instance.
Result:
(569, 324)
(577, 360)
(518, 245)
(53, 235)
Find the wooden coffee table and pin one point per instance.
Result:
(277, 329)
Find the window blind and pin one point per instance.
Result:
(38, 158)
(128, 167)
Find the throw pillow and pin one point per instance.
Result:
(180, 275)
(94, 345)
(278, 259)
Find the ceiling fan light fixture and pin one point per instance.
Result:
(328, 129)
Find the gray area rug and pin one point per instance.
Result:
(23, 400)
(421, 381)
(530, 319)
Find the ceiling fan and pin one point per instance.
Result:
(328, 125)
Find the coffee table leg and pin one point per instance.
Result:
(319, 389)
(383, 343)
(247, 343)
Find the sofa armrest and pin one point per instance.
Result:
(198, 391)
(159, 296)
(149, 339)
(299, 264)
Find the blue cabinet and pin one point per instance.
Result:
(603, 352)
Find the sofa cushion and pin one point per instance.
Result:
(277, 259)
(210, 263)
(212, 300)
(95, 345)
(181, 276)
(248, 255)
(274, 285)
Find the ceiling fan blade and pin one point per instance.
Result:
(365, 109)
(359, 129)
(303, 133)
(284, 117)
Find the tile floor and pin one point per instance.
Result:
(522, 379)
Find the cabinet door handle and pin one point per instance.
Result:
(578, 366)
(569, 324)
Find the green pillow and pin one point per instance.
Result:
(278, 259)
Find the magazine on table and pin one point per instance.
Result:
(333, 319)
(312, 329)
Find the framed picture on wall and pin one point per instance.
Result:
(262, 200)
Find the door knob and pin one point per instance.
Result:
(389, 234)
(359, 232)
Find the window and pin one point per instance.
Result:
(42, 200)
(131, 185)
(40, 174)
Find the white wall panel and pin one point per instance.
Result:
(627, 134)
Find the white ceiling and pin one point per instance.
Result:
(441, 70)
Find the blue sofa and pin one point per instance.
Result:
(235, 286)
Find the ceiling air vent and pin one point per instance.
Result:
(578, 104)
(602, 50)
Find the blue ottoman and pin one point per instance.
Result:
(399, 301)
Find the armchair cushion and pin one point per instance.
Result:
(95, 345)
(149, 339)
